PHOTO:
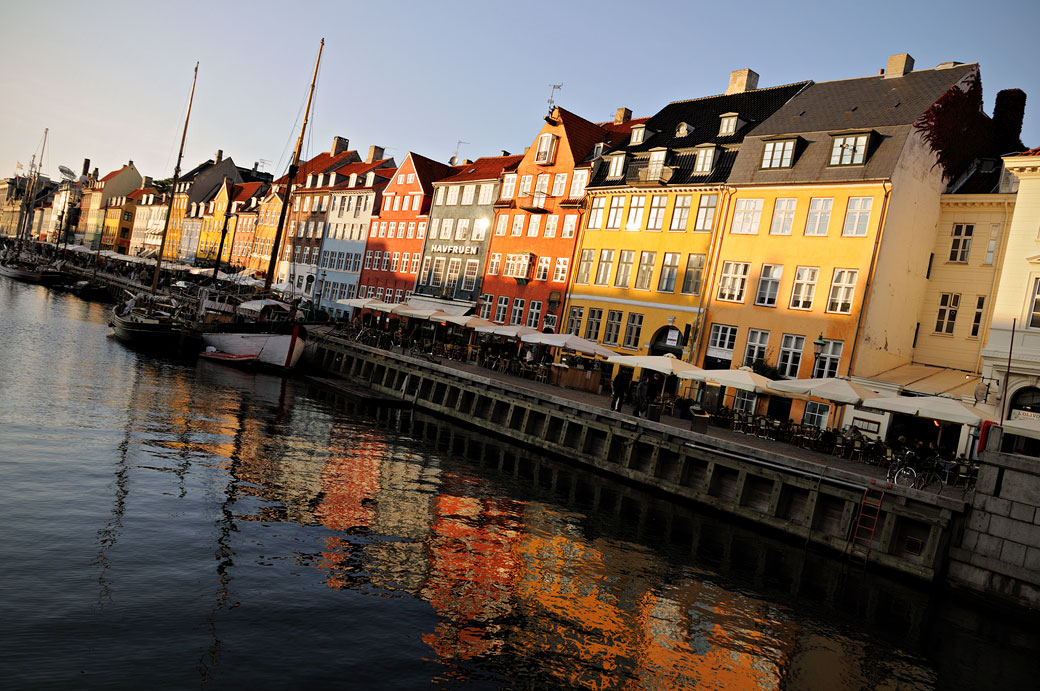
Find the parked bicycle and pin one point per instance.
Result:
(928, 475)
(901, 471)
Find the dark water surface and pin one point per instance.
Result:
(167, 525)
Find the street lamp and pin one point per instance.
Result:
(817, 347)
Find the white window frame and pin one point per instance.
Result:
(803, 289)
(756, 347)
(783, 216)
(857, 217)
(733, 281)
(843, 291)
(747, 215)
(769, 285)
(819, 217)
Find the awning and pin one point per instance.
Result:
(928, 379)
(1023, 427)
(431, 303)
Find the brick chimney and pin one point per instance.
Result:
(1008, 112)
(622, 116)
(741, 81)
(375, 153)
(219, 157)
(339, 145)
(899, 65)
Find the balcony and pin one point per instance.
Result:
(656, 175)
(534, 204)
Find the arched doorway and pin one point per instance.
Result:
(667, 340)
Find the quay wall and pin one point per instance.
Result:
(808, 501)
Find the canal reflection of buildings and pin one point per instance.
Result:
(560, 578)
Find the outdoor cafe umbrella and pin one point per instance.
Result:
(934, 407)
(469, 322)
(666, 364)
(420, 313)
(508, 330)
(834, 389)
(570, 342)
(356, 302)
(742, 378)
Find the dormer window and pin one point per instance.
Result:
(545, 154)
(778, 154)
(332, 179)
(617, 166)
(849, 149)
(310, 179)
(369, 179)
(597, 150)
(653, 168)
(353, 179)
(321, 177)
(705, 159)
(638, 134)
(682, 129)
(727, 124)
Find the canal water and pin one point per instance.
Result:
(181, 525)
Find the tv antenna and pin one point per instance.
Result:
(262, 163)
(66, 173)
(458, 145)
(552, 93)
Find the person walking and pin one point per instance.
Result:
(642, 389)
(619, 388)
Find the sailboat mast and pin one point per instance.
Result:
(294, 166)
(173, 185)
(25, 222)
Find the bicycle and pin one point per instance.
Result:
(901, 471)
(932, 479)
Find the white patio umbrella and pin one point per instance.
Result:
(569, 341)
(834, 389)
(380, 306)
(356, 302)
(934, 407)
(511, 331)
(420, 312)
(666, 364)
(469, 322)
(741, 378)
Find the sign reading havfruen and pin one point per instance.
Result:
(454, 249)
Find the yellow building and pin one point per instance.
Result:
(217, 221)
(653, 218)
(266, 226)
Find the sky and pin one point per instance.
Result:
(110, 79)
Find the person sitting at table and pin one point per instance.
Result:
(529, 356)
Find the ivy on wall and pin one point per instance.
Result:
(956, 128)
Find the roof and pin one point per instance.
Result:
(113, 174)
(428, 171)
(1031, 152)
(582, 135)
(245, 191)
(139, 193)
(484, 168)
(324, 162)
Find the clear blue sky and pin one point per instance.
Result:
(111, 79)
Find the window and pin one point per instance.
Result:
(518, 226)
(569, 223)
(706, 212)
(1034, 311)
(819, 216)
(551, 222)
(637, 135)
(961, 245)
(757, 343)
(617, 166)
(768, 285)
(655, 221)
(849, 151)
(493, 264)
(394, 261)
(633, 329)
(681, 212)
(386, 261)
(453, 195)
(534, 314)
(469, 279)
(415, 263)
(397, 203)
(804, 288)
(745, 401)
(486, 299)
(468, 192)
(420, 233)
(827, 361)
(705, 158)
(424, 276)
(606, 258)
(991, 247)
(816, 414)
(546, 151)
(727, 125)
(525, 186)
(578, 182)
(857, 216)
(655, 165)
(446, 228)
(541, 184)
(407, 202)
(560, 272)
(948, 305)
(669, 272)
(501, 224)
(843, 287)
(454, 269)
(976, 322)
(783, 216)
(585, 266)
(733, 281)
(778, 154)
(532, 226)
(517, 265)
(486, 192)
(404, 261)
(462, 229)
(635, 212)
(692, 278)
(624, 269)
(614, 215)
(592, 325)
(516, 318)
(500, 309)
(541, 272)
(613, 327)
(722, 338)
(790, 355)
(746, 216)
(559, 184)
(596, 213)
(508, 186)
(574, 320)
(646, 270)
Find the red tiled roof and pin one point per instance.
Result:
(1031, 152)
(484, 168)
(247, 190)
(138, 193)
(113, 174)
(322, 163)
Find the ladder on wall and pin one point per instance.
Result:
(862, 536)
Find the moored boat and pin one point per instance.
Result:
(275, 345)
(29, 271)
(248, 361)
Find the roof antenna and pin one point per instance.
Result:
(455, 159)
(263, 163)
(552, 93)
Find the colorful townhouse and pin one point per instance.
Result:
(266, 227)
(354, 200)
(230, 212)
(245, 207)
(653, 217)
(396, 233)
(149, 213)
(305, 220)
(118, 222)
(455, 249)
(117, 183)
(538, 213)
(822, 263)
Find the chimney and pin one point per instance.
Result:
(741, 81)
(898, 65)
(374, 154)
(130, 163)
(1008, 111)
(86, 166)
(146, 181)
(622, 115)
(339, 145)
(505, 153)
(219, 157)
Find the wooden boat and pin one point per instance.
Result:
(277, 345)
(29, 272)
(246, 361)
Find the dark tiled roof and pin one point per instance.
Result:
(485, 168)
(581, 134)
(429, 171)
(324, 162)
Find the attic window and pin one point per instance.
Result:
(617, 166)
(705, 159)
(849, 149)
(597, 150)
(778, 154)
(727, 124)
(637, 135)
(546, 151)
(682, 129)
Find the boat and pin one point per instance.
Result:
(247, 361)
(17, 261)
(266, 329)
(24, 268)
(86, 289)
